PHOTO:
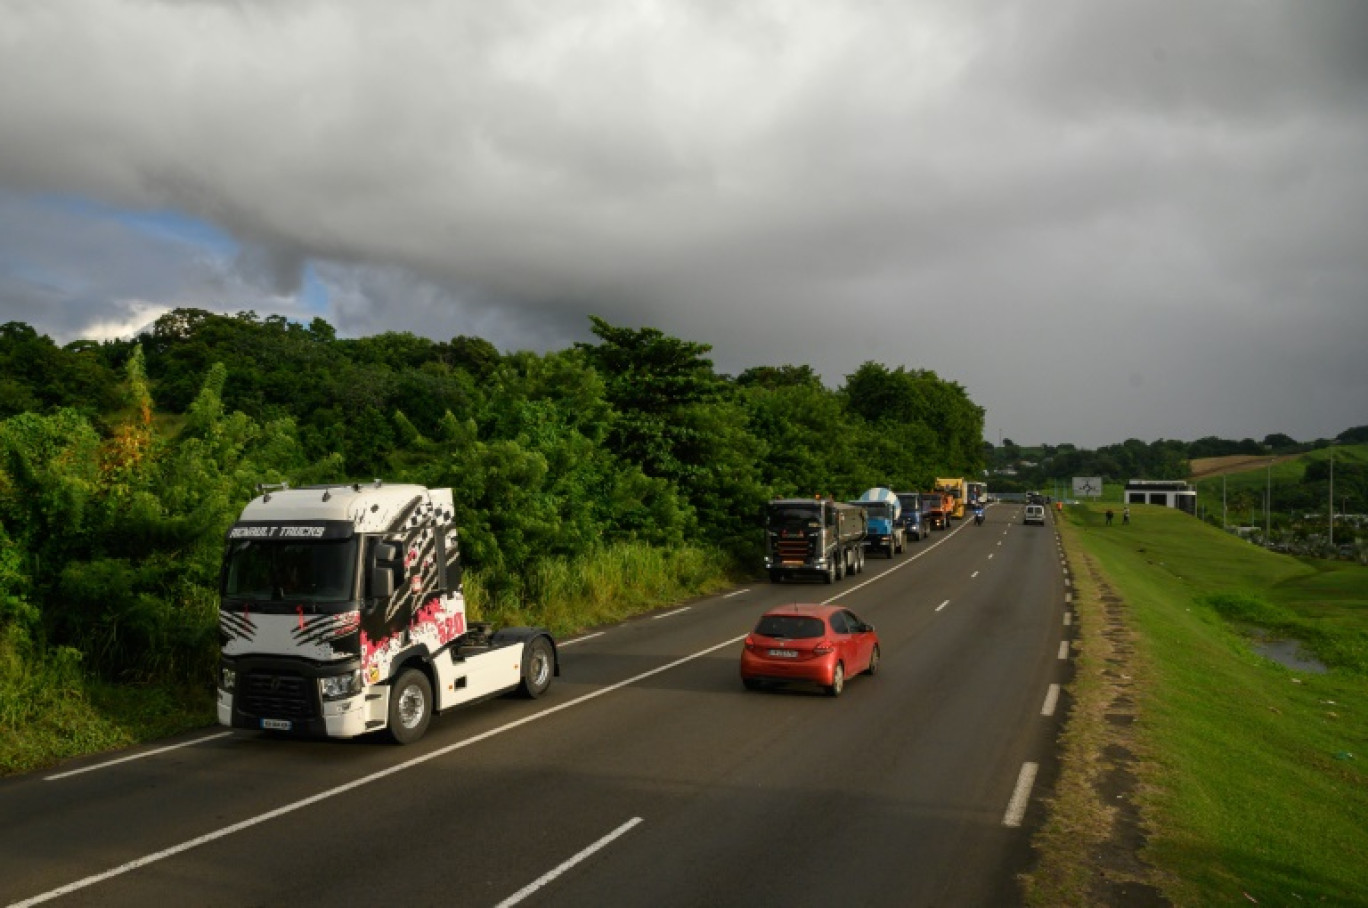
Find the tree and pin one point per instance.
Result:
(1355, 436)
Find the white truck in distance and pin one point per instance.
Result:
(341, 613)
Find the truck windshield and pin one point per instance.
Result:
(316, 571)
(909, 502)
(878, 508)
(794, 517)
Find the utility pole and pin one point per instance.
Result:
(1332, 498)
(1268, 507)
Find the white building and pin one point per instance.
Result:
(1167, 492)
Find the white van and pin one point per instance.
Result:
(1035, 513)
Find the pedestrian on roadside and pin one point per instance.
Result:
(1109, 516)
(1125, 516)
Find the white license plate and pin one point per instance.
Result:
(784, 653)
(276, 724)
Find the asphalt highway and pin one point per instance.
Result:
(646, 776)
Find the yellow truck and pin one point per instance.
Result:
(955, 489)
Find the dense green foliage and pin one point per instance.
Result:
(1016, 468)
(123, 463)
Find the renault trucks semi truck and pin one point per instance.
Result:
(341, 613)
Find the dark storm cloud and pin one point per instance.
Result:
(1105, 220)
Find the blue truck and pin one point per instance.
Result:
(911, 517)
(885, 533)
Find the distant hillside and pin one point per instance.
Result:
(1207, 467)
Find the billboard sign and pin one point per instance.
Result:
(1087, 486)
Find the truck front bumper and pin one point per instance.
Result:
(267, 695)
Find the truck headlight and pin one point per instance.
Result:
(336, 687)
(227, 678)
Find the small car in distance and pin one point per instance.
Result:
(815, 644)
(1035, 513)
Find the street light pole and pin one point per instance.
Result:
(1332, 498)
(1268, 507)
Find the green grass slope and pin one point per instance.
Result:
(1252, 776)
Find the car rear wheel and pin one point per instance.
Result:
(837, 681)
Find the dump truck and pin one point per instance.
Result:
(955, 489)
(813, 537)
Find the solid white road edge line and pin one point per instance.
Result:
(358, 783)
(564, 643)
(1051, 700)
(547, 877)
(137, 756)
(1021, 795)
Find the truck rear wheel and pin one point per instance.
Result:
(538, 665)
(410, 706)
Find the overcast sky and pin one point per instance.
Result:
(1106, 220)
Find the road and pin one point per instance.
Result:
(647, 776)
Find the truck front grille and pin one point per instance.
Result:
(794, 549)
(278, 696)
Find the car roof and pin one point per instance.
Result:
(813, 609)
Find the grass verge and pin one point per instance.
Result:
(51, 709)
(1250, 780)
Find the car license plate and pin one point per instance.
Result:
(276, 724)
(784, 653)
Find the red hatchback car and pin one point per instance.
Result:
(820, 644)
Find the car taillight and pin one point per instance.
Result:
(823, 648)
(750, 643)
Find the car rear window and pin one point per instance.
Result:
(790, 627)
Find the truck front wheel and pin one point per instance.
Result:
(410, 706)
(538, 664)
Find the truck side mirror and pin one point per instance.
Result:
(384, 564)
(381, 583)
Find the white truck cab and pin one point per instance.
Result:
(341, 613)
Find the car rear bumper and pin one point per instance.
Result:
(760, 668)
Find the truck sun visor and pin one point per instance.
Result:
(291, 530)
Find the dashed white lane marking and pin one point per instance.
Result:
(942, 605)
(1021, 795)
(550, 875)
(678, 611)
(565, 643)
(736, 593)
(1063, 649)
(1051, 701)
(1068, 619)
